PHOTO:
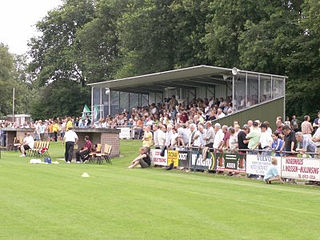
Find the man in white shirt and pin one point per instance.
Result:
(155, 135)
(70, 139)
(168, 135)
(265, 138)
(162, 136)
(28, 143)
(183, 134)
(209, 139)
(218, 138)
(220, 113)
(316, 138)
(194, 136)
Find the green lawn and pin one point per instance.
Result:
(54, 202)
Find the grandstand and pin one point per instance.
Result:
(251, 92)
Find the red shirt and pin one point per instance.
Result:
(88, 145)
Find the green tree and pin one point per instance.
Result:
(55, 53)
(12, 75)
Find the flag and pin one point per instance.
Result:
(96, 113)
(86, 112)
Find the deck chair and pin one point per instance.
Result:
(44, 150)
(32, 152)
(105, 154)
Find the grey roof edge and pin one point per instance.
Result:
(181, 70)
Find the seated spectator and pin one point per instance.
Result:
(272, 173)
(220, 114)
(28, 143)
(143, 159)
(84, 151)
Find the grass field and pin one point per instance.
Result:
(54, 202)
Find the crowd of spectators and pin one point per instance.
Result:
(174, 125)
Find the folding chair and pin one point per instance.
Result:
(105, 155)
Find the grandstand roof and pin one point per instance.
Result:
(190, 77)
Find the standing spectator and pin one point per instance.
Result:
(306, 127)
(69, 123)
(195, 137)
(277, 143)
(290, 142)
(226, 137)
(287, 121)
(242, 138)
(209, 139)
(162, 136)
(55, 129)
(254, 136)
(269, 130)
(265, 138)
(42, 131)
(250, 124)
(70, 139)
(316, 121)
(316, 138)
(294, 123)
(155, 135)
(305, 144)
(233, 141)
(218, 137)
(147, 137)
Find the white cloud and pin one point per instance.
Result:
(17, 20)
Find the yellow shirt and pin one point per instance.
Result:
(69, 124)
(55, 127)
(147, 142)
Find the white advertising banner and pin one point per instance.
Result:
(301, 168)
(125, 133)
(258, 164)
(157, 159)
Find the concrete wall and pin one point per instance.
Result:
(267, 111)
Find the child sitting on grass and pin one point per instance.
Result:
(272, 173)
(143, 159)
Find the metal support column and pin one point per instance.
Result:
(271, 85)
(233, 91)
(92, 90)
(109, 101)
(246, 97)
(259, 87)
(284, 98)
(100, 103)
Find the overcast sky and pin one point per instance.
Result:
(17, 20)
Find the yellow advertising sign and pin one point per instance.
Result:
(173, 156)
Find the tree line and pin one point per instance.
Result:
(86, 41)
